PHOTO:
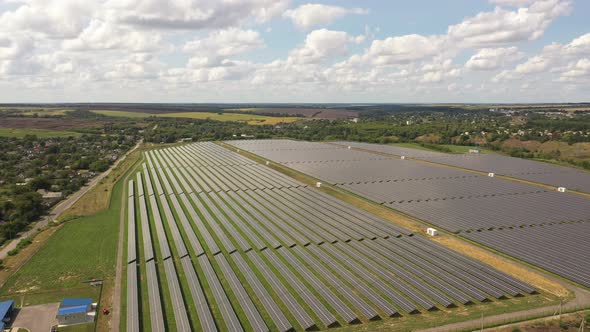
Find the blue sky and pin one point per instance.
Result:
(294, 51)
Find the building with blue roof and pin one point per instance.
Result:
(76, 311)
(6, 313)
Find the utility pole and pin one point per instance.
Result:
(481, 322)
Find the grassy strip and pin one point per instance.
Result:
(448, 148)
(22, 132)
(249, 118)
(99, 197)
(72, 256)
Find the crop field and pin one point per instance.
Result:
(32, 111)
(123, 114)
(216, 241)
(316, 113)
(488, 210)
(22, 132)
(47, 124)
(248, 118)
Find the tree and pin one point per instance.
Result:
(99, 166)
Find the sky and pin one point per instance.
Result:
(279, 51)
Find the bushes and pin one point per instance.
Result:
(21, 244)
(436, 147)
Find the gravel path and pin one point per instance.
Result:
(582, 299)
(116, 300)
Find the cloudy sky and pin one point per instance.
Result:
(294, 51)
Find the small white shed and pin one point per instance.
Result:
(431, 231)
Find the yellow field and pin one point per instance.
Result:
(249, 118)
(123, 114)
(30, 111)
(251, 109)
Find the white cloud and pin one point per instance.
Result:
(193, 14)
(55, 19)
(310, 15)
(512, 3)
(320, 45)
(493, 58)
(153, 46)
(12, 47)
(577, 71)
(579, 46)
(100, 35)
(554, 58)
(403, 49)
(221, 44)
(504, 26)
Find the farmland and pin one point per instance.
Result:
(22, 132)
(247, 118)
(316, 113)
(216, 241)
(456, 193)
(49, 124)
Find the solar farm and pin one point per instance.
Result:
(217, 241)
(529, 170)
(533, 223)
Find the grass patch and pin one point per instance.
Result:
(83, 248)
(89, 327)
(252, 119)
(455, 315)
(123, 114)
(80, 249)
(98, 198)
(455, 149)
(22, 132)
(45, 112)
(52, 296)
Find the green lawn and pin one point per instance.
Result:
(83, 248)
(123, 114)
(89, 327)
(454, 148)
(21, 132)
(249, 118)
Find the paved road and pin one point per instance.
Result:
(62, 206)
(37, 317)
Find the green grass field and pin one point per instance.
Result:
(458, 149)
(41, 111)
(249, 118)
(123, 114)
(83, 248)
(21, 132)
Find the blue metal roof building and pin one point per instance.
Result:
(5, 310)
(73, 311)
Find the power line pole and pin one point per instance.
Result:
(481, 322)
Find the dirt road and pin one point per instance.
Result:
(62, 206)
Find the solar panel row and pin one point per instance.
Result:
(132, 289)
(530, 170)
(295, 247)
(454, 199)
(560, 250)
